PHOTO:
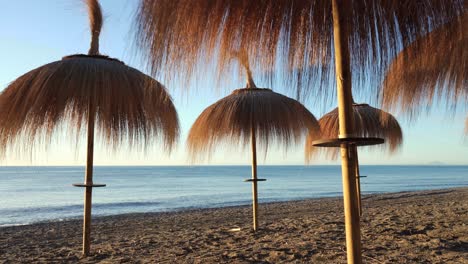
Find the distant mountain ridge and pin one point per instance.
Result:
(439, 163)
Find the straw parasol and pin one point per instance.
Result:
(126, 105)
(250, 114)
(362, 36)
(368, 122)
(434, 66)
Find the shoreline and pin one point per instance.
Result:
(195, 209)
(404, 227)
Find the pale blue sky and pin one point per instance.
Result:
(33, 33)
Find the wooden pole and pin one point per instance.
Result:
(343, 81)
(243, 58)
(358, 180)
(88, 182)
(254, 175)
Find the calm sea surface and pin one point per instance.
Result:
(33, 194)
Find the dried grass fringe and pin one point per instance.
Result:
(368, 122)
(288, 41)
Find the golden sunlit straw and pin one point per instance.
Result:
(126, 105)
(277, 118)
(433, 67)
(177, 35)
(250, 115)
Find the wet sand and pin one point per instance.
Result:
(409, 227)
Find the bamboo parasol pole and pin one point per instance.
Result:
(466, 125)
(96, 19)
(251, 85)
(254, 176)
(356, 170)
(88, 182)
(358, 180)
(343, 80)
(357, 173)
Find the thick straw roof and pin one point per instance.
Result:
(274, 117)
(368, 122)
(130, 107)
(434, 66)
(297, 34)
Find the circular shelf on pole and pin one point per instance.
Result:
(89, 185)
(253, 180)
(357, 141)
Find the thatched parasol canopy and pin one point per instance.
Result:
(176, 35)
(129, 106)
(368, 122)
(269, 116)
(434, 66)
(84, 90)
(275, 118)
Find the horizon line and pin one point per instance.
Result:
(234, 165)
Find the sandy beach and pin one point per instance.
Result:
(407, 227)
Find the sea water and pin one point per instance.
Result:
(34, 194)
